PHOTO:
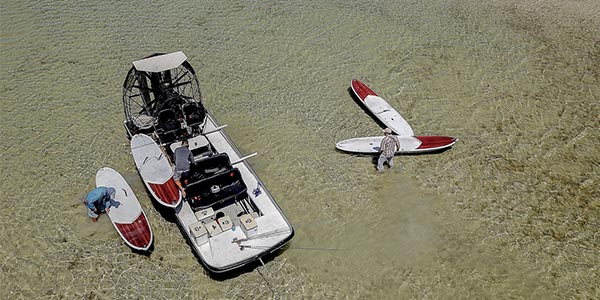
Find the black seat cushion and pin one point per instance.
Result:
(167, 120)
(217, 188)
(209, 166)
(194, 114)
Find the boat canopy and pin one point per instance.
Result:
(160, 63)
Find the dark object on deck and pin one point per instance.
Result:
(216, 189)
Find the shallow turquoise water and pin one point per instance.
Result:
(278, 74)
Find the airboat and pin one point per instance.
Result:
(228, 216)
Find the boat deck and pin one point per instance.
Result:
(272, 231)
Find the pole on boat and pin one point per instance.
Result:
(292, 248)
(261, 235)
(214, 129)
(244, 158)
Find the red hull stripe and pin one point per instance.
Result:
(428, 142)
(361, 90)
(137, 233)
(166, 192)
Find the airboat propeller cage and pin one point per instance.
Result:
(157, 83)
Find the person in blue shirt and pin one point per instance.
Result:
(98, 201)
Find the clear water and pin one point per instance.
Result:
(510, 212)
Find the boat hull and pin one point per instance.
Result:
(232, 255)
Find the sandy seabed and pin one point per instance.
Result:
(512, 211)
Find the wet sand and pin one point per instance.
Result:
(510, 212)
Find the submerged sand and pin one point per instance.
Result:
(512, 211)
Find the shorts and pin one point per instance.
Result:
(179, 173)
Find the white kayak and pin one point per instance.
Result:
(381, 109)
(126, 215)
(408, 144)
(155, 169)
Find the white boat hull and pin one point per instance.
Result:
(230, 254)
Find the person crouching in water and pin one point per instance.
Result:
(183, 159)
(99, 200)
(389, 146)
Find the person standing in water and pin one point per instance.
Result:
(389, 146)
(99, 200)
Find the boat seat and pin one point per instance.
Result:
(168, 128)
(213, 228)
(202, 153)
(249, 225)
(225, 222)
(209, 166)
(199, 233)
(217, 188)
(204, 214)
(167, 120)
(194, 115)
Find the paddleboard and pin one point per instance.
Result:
(155, 169)
(127, 215)
(381, 109)
(408, 144)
